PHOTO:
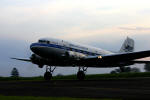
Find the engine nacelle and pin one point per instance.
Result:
(37, 60)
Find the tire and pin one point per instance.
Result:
(47, 76)
(81, 75)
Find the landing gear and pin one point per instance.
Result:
(47, 76)
(81, 73)
(48, 73)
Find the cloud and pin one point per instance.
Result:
(145, 11)
(89, 22)
(136, 28)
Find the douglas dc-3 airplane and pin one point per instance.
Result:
(55, 52)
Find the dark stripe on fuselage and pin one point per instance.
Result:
(64, 48)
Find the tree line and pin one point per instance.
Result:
(15, 72)
(134, 69)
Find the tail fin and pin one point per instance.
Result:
(128, 45)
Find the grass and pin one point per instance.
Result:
(106, 76)
(40, 78)
(120, 75)
(45, 98)
(88, 77)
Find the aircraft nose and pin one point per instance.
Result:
(33, 47)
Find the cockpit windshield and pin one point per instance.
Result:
(43, 41)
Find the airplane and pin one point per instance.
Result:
(56, 52)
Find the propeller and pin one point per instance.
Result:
(35, 59)
(27, 60)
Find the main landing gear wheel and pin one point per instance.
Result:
(47, 76)
(48, 73)
(81, 73)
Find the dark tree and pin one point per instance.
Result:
(135, 69)
(113, 72)
(14, 72)
(126, 69)
(147, 67)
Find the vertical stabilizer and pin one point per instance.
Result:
(128, 45)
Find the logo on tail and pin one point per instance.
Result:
(128, 45)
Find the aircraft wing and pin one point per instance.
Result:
(27, 60)
(140, 62)
(116, 59)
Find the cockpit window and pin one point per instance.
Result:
(44, 41)
(41, 41)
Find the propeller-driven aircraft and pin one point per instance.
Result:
(52, 53)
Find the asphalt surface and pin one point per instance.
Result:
(126, 89)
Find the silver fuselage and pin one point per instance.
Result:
(56, 49)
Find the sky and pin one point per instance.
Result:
(101, 23)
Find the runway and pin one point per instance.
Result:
(135, 88)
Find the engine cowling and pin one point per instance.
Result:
(37, 60)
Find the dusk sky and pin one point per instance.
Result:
(101, 23)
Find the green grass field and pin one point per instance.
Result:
(88, 77)
(45, 98)
(107, 76)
